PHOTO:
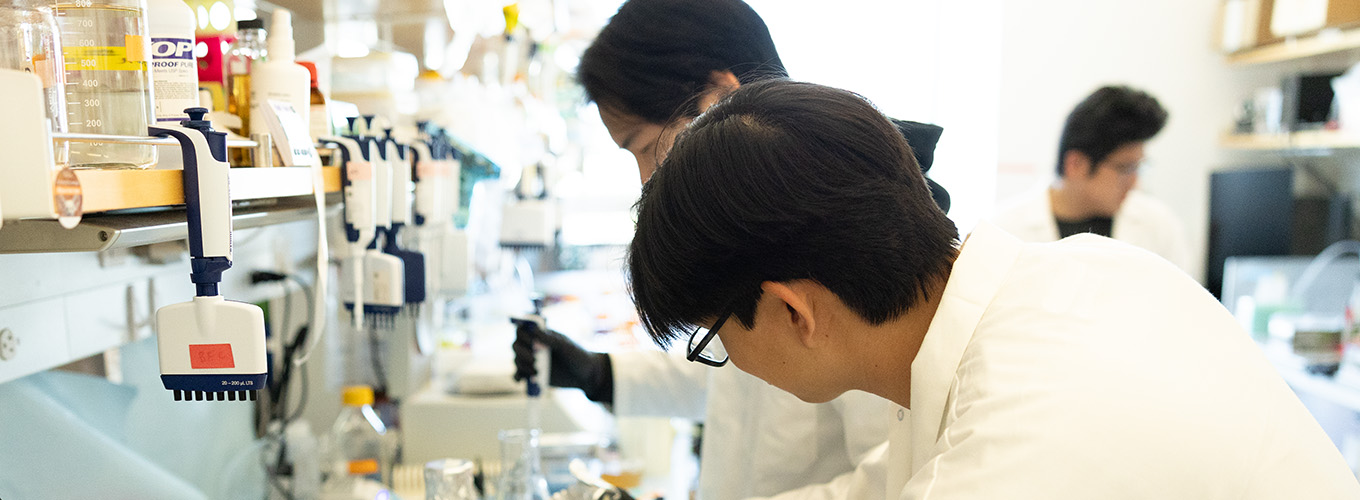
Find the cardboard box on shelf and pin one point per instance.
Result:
(1301, 17)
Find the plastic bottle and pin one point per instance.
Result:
(108, 79)
(248, 49)
(174, 73)
(356, 442)
(279, 78)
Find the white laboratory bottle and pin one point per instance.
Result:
(174, 72)
(356, 444)
(279, 78)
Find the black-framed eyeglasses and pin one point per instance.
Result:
(704, 345)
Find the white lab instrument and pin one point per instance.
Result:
(356, 177)
(210, 348)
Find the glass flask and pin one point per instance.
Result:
(108, 79)
(449, 479)
(521, 468)
(29, 42)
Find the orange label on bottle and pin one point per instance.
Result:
(363, 467)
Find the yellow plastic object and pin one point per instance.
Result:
(511, 17)
(357, 395)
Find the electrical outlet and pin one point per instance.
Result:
(9, 344)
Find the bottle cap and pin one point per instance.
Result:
(311, 71)
(357, 395)
(281, 47)
(250, 24)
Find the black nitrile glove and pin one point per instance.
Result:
(572, 366)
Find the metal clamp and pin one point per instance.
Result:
(144, 140)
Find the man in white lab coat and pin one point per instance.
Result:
(790, 231)
(655, 66)
(1100, 154)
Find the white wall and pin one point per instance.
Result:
(1055, 52)
(920, 60)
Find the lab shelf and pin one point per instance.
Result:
(126, 208)
(1313, 139)
(1325, 42)
(107, 190)
(129, 229)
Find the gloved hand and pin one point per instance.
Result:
(572, 366)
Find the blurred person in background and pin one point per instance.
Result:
(656, 66)
(1100, 155)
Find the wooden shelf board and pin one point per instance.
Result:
(1316, 139)
(1325, 42)
(105, 190)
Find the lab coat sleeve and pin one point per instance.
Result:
(865, 482)
(659, 384)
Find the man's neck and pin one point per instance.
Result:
(1067, 204)
(889, 349)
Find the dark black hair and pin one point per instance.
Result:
(1108, 119)
(785, 181)
(655, 56)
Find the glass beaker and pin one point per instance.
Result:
(28, 42)
(449, 479)
(521, 469)
(108, 79)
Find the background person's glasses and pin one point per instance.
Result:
(704, 345)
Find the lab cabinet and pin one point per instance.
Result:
(33, 337)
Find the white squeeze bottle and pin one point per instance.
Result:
(279, 78)
(174, 71)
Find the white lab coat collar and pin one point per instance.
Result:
(983, 263)
(1033, 220)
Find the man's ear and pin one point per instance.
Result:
(1076, 164)
(797, 311)
(720, 83)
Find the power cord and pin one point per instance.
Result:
(279, 392)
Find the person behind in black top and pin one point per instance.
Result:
(1099, 156)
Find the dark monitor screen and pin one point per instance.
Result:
(1250, 213)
